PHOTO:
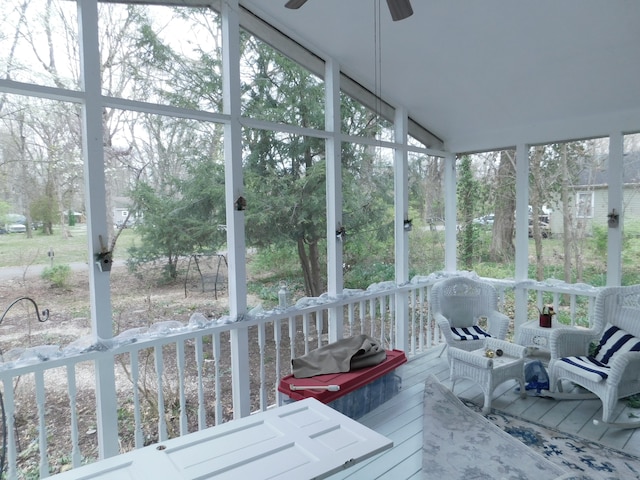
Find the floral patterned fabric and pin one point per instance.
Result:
(459, 443)
(584, 458)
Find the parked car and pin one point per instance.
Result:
(15, 223)
(15, 228)
(120, 224)
(545, 229)
(485, 220)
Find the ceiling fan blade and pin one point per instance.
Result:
(400, 9)
(295, 3)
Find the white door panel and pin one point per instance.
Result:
(301, 440)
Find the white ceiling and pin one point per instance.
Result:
(485, 74)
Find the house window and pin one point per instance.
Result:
(584, 205)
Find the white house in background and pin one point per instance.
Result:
(590, 199)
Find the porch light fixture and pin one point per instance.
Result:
(241, 204)
(104, 258)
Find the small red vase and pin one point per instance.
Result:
(545, 320)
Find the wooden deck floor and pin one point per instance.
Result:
(401, 419)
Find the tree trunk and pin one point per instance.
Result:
(566, 214)
(502, 247)
(310, 267)
(536, 191)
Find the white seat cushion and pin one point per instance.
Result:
(587, 367)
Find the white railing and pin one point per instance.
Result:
(566, 299)
(173, 378)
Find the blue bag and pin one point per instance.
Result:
(535, 376)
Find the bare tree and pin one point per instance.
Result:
(536, 194)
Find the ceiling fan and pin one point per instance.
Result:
(399, 9)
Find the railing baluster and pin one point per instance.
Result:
(362, 314)
(162, 421)
(305, 331)
(277, 336)
(202, 413)
(137, 409)
(423, 307)
(10, 409)
(556, 301)
(72, 391)
(318, 328)
(412, 319)
(372, 316)
(292, 336)
(216, 366)
(435, 337)
(261, 346)
(40, 402)
(393, 341)
(539, 301)
(184, 425)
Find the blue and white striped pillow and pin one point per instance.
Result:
(469, 333)
(615, 340)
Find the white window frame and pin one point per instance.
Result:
(584, 204)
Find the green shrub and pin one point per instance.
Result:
(58, 275)
(365, 274)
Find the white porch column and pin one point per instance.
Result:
(616, 198)
(522, 231)
(450, 213)
(94, 179)
(234, 191)
(333, 153)
(401, 199)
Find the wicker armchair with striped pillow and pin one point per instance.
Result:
(458, 304)
(611, 370)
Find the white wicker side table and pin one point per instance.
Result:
(531, 334)
(489, 372)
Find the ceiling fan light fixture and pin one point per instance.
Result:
(295, 4)
(399, 9)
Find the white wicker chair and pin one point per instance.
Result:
(611, 371)
(459, 303)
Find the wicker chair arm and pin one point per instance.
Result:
(441, 320)
(567, 342)
(498, 324)
(621, 363)
(445, 326)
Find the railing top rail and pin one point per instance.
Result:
(48, 357)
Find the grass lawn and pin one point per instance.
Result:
(18, 250)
